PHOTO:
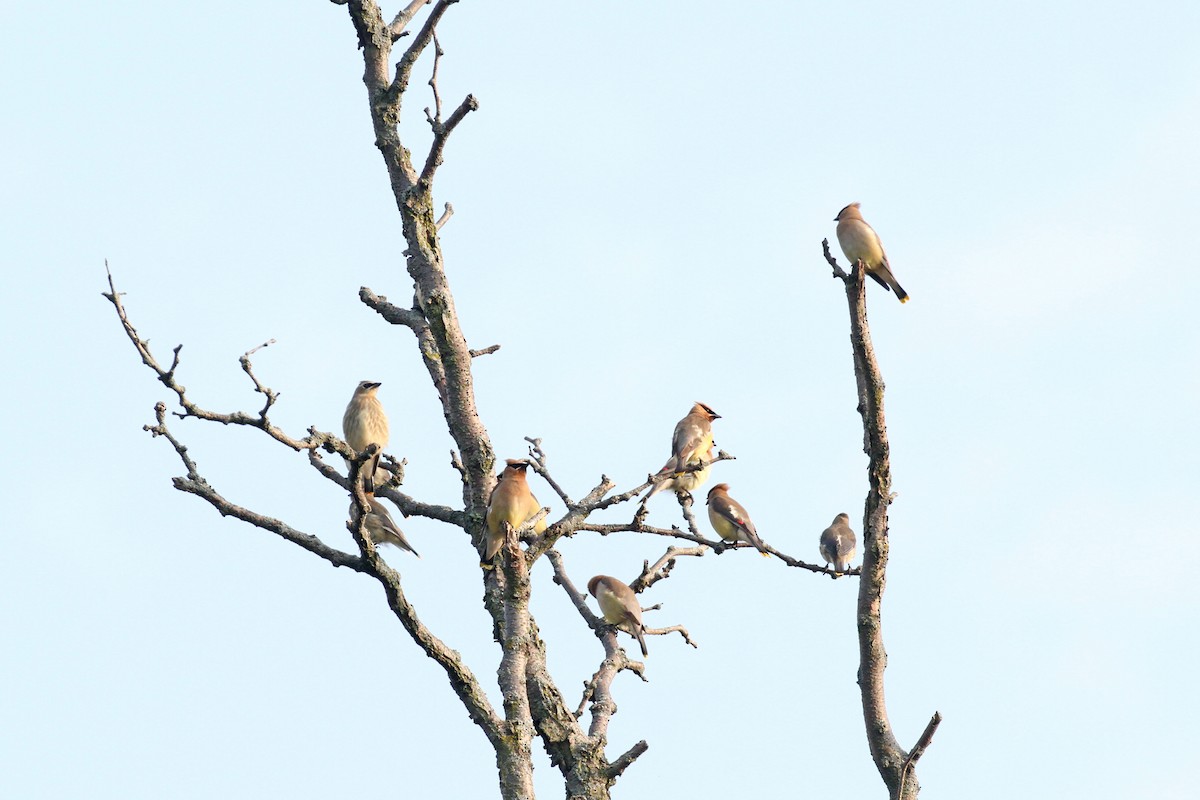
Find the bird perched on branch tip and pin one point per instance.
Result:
(860, 243)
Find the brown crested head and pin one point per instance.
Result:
(706, 410)
(593, 583)
(720, 488)
(366, 387)
(515, 469)
(843, 517)
(849, 212)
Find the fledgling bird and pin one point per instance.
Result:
(838, 543)
(620, 606)
(692, 443)
(380, 526)
(365, 423)
(511, 502)
(860, 242)
(730, 519)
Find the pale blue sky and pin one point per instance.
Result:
(640, 204)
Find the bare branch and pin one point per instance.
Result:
(258, 387)
(485, 351)
(456, 462)
(167, 378)
(512, 580)
(537, 460)
(409, 317)
(415, 320)
(195, 484)
(441, 132)
(396, 29)
(447, 213)
(886, 752)
(661, 569)
(404, 67)
(625, 759)
(685, 505)
(435, 121)
(408, 506)
(924, 741)
(682, 631)
(838, 272)
(254, 350)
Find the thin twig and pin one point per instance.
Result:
(258, 387)
(435, 121)
(537, 460)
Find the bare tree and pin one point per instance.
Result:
(533, 705)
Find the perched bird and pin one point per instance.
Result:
(380, 526)
(511, 502)
(838, 543)
(860, 243)
(730, 520)
(692, 443)
(363, 424)
(620, 606)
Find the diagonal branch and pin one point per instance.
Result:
(167, 378)
(400, 22)
(195, 484)
(405, 66)
(923, 742)
(441, 132)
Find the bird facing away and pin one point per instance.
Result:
(692, 443)
(511, 502)
(860, 243)
(363, 424)
(838, 543)
(730, 520)
(620, 606)
(380, 526)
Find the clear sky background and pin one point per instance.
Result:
(640, 204)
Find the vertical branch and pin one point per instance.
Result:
(516, 781)
(890, 759)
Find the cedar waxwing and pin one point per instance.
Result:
(380, 526)
(620, 606)
(691, 443)
(838, 543)
(511, 502)
(365, 423)
(730, 520)
(860, 243)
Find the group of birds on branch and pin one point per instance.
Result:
(512, 503)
